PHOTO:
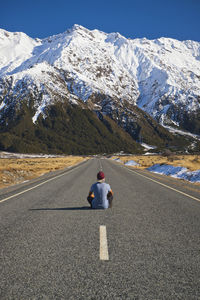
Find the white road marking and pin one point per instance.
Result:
(100, 166)
(167, 186)
(34, 187)
(103, 243)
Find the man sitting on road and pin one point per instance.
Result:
(100, 195)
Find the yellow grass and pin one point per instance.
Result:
(14, 170)
(192, 162)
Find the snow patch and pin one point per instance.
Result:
(22, 155)
(117, 160)
(181, 132)
(147, 147)
(2, 105)
(45, 100)
(176, 172)
(131, 163)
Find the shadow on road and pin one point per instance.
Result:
(62, 208)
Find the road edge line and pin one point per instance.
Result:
(35, 186)
(167, 186)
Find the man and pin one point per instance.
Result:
(100, 195)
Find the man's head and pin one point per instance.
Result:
(100, 176)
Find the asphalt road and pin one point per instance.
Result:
(49, 238)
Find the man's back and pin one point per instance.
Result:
(100, 190)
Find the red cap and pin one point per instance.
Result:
(100, 175)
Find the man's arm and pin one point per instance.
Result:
(110, 194)
(90, 198)
(110, 197)
(91, 192)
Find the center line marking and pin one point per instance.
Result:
(103, 243)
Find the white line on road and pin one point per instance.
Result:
(103, 243)
(167, 186)
(34, 187)
(100, 166)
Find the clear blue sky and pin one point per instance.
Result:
(179, 19)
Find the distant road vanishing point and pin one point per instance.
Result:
(53, 246)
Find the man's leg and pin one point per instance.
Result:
(89, 199)
(110, 199)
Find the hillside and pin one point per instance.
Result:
(104, 92)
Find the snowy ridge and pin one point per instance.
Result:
(15, 48)
(156, 75)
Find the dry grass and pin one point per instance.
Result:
(13, 171)
(192, 162)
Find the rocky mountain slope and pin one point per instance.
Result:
(126, 81)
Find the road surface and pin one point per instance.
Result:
(50, 239)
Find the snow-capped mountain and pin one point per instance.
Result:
(107, 72)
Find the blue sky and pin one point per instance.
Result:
(179, 19)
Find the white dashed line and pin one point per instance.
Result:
(100, 166)
(103, 243)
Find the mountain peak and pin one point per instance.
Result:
(160, 76)
(79, 27)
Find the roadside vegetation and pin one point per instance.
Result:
(13, 171)
(192, 162)
(18, 170)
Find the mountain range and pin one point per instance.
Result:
(86, 91)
